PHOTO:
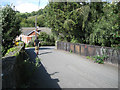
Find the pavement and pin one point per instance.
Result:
(61, 69)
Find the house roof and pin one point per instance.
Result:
(29, 30)
(34, 31)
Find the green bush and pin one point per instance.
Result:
(99, 59)
(13, 49)
(74, 40)
(46, 39)
(44, 36)
(71, 51)
(26, 68)
(30, 44)
(47, 44)
(88, 57)
(37, 64)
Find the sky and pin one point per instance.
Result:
(25, 5)
(30, 5)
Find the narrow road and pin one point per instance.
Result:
(60, 69)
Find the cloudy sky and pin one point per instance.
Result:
(32, 5)
(25, 5)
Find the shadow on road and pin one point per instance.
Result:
(43, 48)
(54, 73)
(40, 78)
(45, 53)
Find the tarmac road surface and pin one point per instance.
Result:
(61, 69)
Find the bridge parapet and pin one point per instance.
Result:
(113, 55)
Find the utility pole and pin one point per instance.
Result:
(36, 26)
(36, 21)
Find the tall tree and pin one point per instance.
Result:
(106, 28)
(10, 27)
(95, 13)
(61, 18)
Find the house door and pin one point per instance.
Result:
(20, 38)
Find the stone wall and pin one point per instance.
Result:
(91, 50)
(9, 70)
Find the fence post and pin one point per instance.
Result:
(66, 46)
(74, 48)
(62, 46)
(119, 57)
(80, 49)
(59, 45)
(86, 50)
